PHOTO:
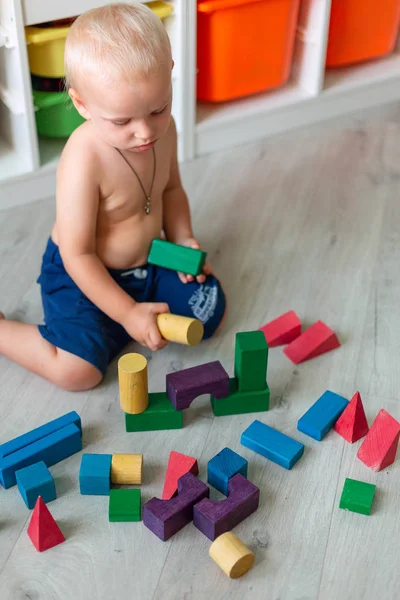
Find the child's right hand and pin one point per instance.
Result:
(141, 324)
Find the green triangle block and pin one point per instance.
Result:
(125, 505)
(160, 414)
(237, 403)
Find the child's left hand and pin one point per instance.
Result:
(192, 243)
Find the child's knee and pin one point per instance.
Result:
(76, 375)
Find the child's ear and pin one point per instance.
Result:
(79, 103)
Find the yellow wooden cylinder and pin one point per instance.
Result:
(229, 552)
(182, 330)
(126, 469)
(133, 383)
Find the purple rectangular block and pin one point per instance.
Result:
(184, 386)
(166, 517)
(215, 517)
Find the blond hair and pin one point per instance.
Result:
(116, 41)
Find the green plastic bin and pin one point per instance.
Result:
(56, 116)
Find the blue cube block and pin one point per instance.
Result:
(95, 474)
(34, 481)
(223, 466)
(323, 414)
(274, 445)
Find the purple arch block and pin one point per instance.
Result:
(166, 517)
(215, 517)
(184, 386)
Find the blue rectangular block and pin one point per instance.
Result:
(223, 466)
(95, 474)
(34, 481)
(323, 414)
(51, 449)
(40, 432)
(272, 444)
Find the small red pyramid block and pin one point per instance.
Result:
(282, 330)
(178, 465)
(379, 448)
(316, 340)
(42, 529)
(352, 424)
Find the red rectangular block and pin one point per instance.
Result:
(316, 340)
(282, 330)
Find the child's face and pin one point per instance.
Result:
(128, 117)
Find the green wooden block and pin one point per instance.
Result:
(160, 414)
(238, 403)
(251, 360)
(357, 496)
(176, 257)
(125, 505)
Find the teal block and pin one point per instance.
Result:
(323, 414)
(272, 444)
(95, 474)
(223, 466)
(34, 481)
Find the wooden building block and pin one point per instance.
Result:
(223, 466)
(42, 529)
(126, 469)
(181, 330)
(215, 517)
(159, 415)
(357, 496)
(352, 424)
(282, 330)
(178, 465)
(379, 448)
(251, 359)
(51, 449)
(323, 414)
(186, 385)
(166, 517)
(95, 474)
(133, 383)
(177, 258)
(316, 340)
(272, 444)
(34, 481)
(40, 432)
(237, 403)
(231, 555)
(125, 505)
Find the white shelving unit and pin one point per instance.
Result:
(28, 164)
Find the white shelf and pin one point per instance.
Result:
(28, 167)
(344, 79)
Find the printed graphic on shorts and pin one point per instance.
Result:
(203, 302)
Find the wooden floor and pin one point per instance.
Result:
(309, 221)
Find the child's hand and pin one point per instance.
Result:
(141, 324)
(192, 243)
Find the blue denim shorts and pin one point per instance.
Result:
(74, 324)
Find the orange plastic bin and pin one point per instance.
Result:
(243, 46)
(361, 30)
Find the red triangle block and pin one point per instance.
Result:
(316, 340)
(379, 448)
(178, 465)
(42, 529)
(352, 424)
(282, 330)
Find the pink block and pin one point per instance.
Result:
(282, 330)
(379, 448)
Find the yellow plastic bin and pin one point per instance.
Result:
(46, 50)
